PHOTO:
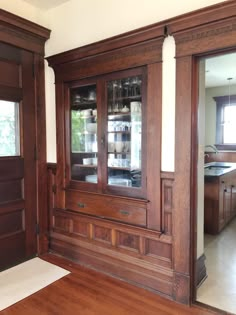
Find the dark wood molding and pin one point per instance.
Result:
(22, 33)
(201, 33)
(201, 272)
(29, 36)
(200, 17)
(167, 175)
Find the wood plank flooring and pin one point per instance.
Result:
(87, 292)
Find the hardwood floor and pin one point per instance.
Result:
(88, 292)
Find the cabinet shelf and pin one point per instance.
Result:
(84, 152)
(119, 168)
(82, 105)
(120, 131)
(126, 98)
(85, 166)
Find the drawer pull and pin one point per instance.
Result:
(124, 212)
(81, 205)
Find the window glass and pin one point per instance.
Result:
(229, 124)
(9, 129)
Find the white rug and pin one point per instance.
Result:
(27, 278)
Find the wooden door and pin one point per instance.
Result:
(18, 202)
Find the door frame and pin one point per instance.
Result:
(203, 32)
(23, 34)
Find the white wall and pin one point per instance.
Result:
(25, 10)
(76, 23)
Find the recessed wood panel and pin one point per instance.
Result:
(10, 191)
(158, 249)
(80, 228)
(13, 248)
(128, 241)
(102, 234)
(11, 223)
(11, 75)
(11, 168)
(61, 223)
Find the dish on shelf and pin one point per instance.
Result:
(91, 127)
(86, 112)
(112, 180)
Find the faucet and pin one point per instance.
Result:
(212, 147)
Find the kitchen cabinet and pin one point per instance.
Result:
(219, 201)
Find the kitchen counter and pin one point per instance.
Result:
(218, 168)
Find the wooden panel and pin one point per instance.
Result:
(160, 249)
(11, 75)
(167, 205)
(154, 101)
(80, 228)
(121, 209)
(62, 223)
(10, 191)
(102, 234)
(127, 240)
(12, 222)
(9, 93)
(13, 248)
(11, 168)
(133, 253)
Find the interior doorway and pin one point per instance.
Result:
(18, 188)
(216, 178)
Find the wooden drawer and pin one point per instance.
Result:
(115, 208)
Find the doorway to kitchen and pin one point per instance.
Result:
(216, 176)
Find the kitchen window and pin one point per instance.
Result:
(226, 122)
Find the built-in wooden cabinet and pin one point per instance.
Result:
(107, 210)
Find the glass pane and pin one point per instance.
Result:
(84, 134)
(229, 124)
(9, 129)
(124, 131)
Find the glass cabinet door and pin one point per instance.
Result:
(83, 111)
(124, 132)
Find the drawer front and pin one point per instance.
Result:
(124, 210)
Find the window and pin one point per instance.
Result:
(226, 122)
(9, 129)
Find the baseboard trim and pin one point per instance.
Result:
(201, 273)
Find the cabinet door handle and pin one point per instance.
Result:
(225, 190)
(222, 181)
(81, 205)
(124, 212)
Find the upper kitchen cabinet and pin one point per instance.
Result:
(108, 97)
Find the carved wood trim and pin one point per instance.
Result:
(210, 37)
(167, 184)
(22, 33)
(109, 61)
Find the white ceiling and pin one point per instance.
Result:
(219, 69)
(46, 4)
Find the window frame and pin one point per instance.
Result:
(221, 103)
